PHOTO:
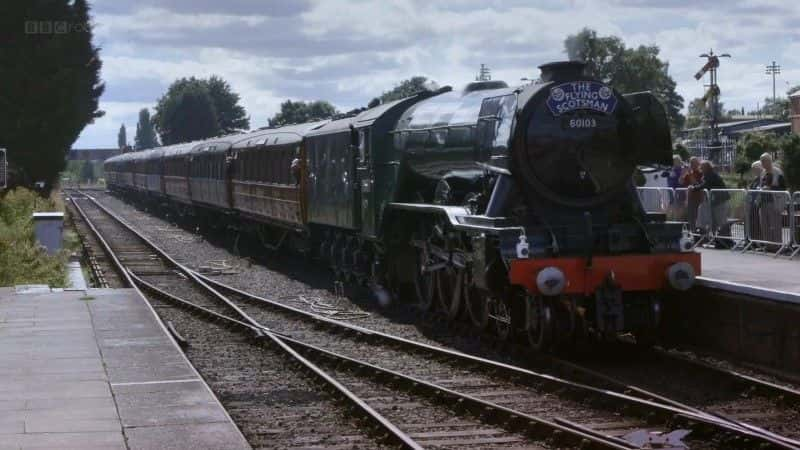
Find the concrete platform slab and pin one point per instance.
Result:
(96, 369)
(747, 273)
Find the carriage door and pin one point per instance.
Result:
(365, 181)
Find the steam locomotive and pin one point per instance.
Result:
(511, 207)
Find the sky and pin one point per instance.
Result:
(348, 52)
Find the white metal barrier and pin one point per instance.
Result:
(692, 208)
(750, 219)
(656, 199)
(729, 216)
(770, 222)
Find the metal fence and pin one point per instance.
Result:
(729, 213)
(763, 221)
(656, 199)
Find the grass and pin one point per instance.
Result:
(22, 260)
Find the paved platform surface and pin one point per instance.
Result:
(96, 370)
(758, 270)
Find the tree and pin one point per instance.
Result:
(777, 108)
(186, 113)
(231, 116)
(752, 145)
(145, 134)
(405, 88)
(122, 139)
(50, 78)
(300, 112)
(627, 69)
(700, 113)
(682, 151)
(790, 145)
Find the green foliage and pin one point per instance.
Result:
(87, 172)
(752, 145)
(50, 84)
(627, 69)
(700, 112)
(405, 88)
(682, 151)
(231, 116)
(186, 113)
(22, 261)
(122, 139)
(790, 145)
(742, 165)
(300, 112)
(196, 108)
(778, 108)
(145, 134)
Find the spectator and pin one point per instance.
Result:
(772, 177)
(719, 201)
(674, 173)
(770, 207)
(755, 172)
(753, 199)
(692, 176)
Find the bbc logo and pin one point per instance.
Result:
(54, 27)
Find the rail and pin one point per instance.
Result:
(573, 433)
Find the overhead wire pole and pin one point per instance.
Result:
(773, 69)
(711, 66)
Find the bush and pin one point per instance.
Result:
(791, 160)
(753, 145)
(682, 151)
(22, 261)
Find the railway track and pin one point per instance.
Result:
(434, 421)
(499, 394)
(691, 384)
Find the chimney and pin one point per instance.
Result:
(562, 70)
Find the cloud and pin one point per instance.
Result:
(350, 51)
(274, 8)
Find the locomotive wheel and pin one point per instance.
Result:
(539, 323)
(500, 315)
(450, 285)
(424, 279)
(477, 304)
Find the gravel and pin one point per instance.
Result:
(275, 406)
(307, 285)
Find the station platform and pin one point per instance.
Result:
(95, 369)
(761, 275)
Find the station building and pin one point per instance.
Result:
(794, 114)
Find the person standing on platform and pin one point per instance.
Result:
(719, 200)
(753, 200)
(755, 172)
(771, 206)
(677, 207)
(675, 172)
(692, 176)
